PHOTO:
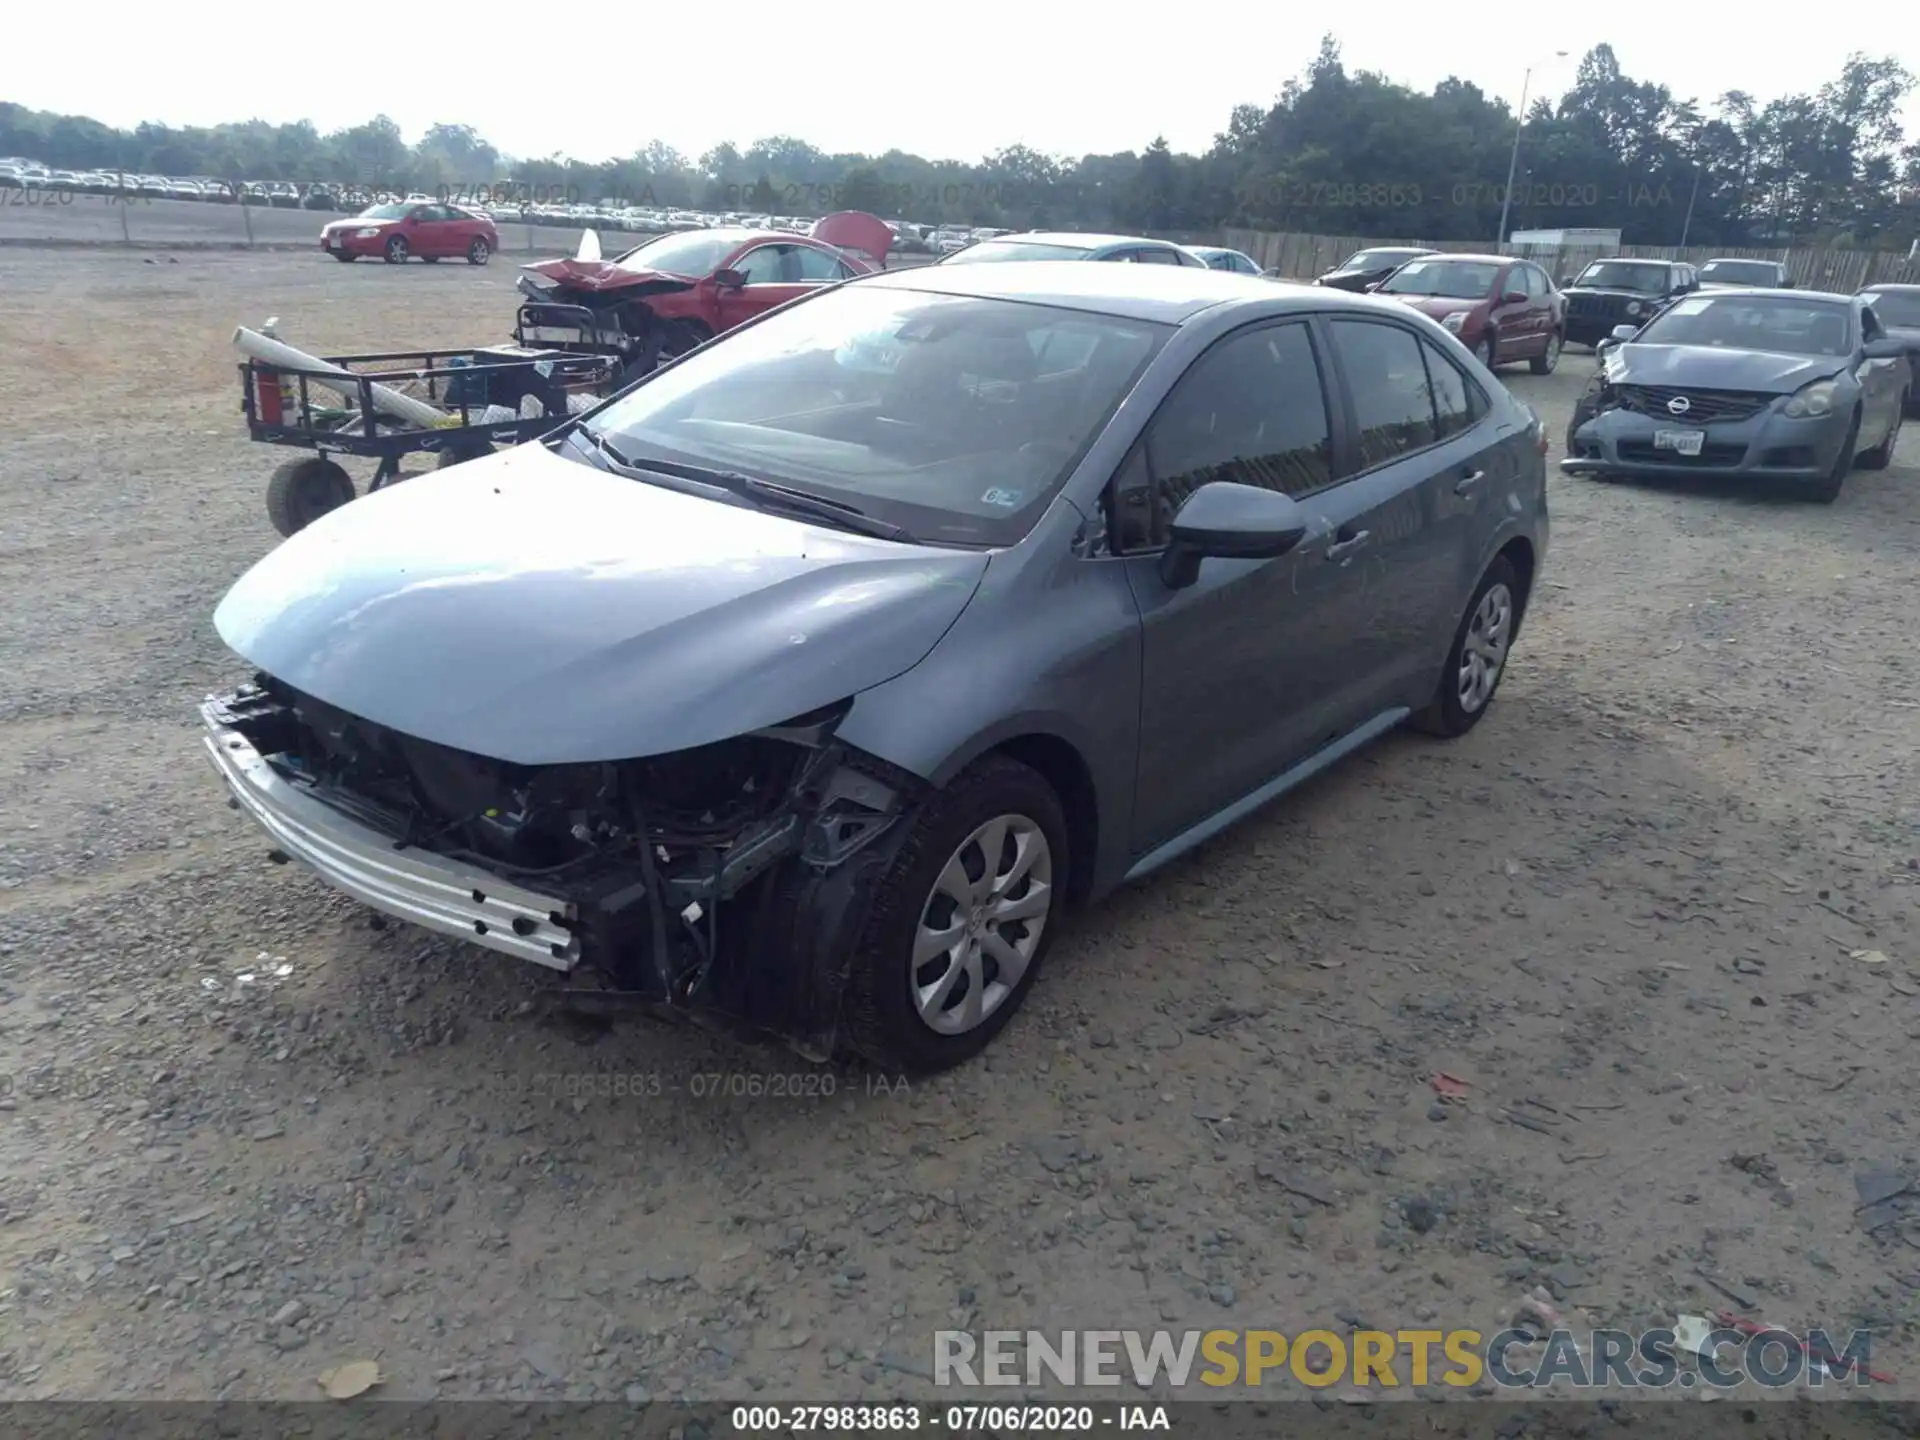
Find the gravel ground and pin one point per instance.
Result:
(245, 1135)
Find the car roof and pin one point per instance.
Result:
(1164, 294)
(1890, 287)
(1767, 292)
(1740, 260)
(1472, 256)
(1085, 242)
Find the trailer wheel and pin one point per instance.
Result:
(301, 491)
(397, 250)
(460, 454)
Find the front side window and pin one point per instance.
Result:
(1393, 408)
(1253, 411)
(955, 417)
(768, 265)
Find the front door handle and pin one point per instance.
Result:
(1341, 549)
(1468, 481)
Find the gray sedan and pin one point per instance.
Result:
(1068, 245)
(807, 682)
(1793, 387)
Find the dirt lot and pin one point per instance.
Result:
(245, 1136)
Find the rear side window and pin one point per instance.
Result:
(1393, 409)
(1252, 411)
(1458, 403)
(1157, 257)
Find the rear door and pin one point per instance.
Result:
(1425, 467)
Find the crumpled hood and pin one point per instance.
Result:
(537, 610)
(595, 275)
(1709, 367)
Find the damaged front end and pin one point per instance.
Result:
(615, 319)
(725, 881)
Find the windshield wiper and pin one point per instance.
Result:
(764, 493)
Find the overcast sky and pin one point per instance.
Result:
(956, 83)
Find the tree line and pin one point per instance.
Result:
(1339, 152)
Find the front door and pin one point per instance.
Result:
(773, 276)
(1224, 704)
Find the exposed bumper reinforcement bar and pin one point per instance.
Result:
(415, 885)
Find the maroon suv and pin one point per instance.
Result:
(1502, 309)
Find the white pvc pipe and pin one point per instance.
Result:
(276, 352)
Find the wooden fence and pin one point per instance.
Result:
(1301, 257)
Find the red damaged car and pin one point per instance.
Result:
(676, 291)
(403, 229)
(1502, 309)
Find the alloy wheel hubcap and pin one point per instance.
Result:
(981, 926)
(1553, 349)
(1483, 655)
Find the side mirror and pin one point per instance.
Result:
(1514, 297)
(1623, 333)
(1875, 350)
(1226, 521)
(1566, 282)
(729, 279)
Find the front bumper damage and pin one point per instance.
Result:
(1763, 445)
(728, 885)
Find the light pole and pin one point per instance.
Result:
(1687, 224)
(1513, 163)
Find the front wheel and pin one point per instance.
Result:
(479, 252)
(1827, 490)
(396, 253)
(1881, 455)
(1483, 350)
(962, 922)
(1543, 363)
(1479, 655)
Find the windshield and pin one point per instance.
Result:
(691, 252)
(953, 417)
(1017, 250)
(1625, 275)
(1753, 322)
(1741, 272)
(386, 212)
(1374, 260)
(1895, 307)
(1444, 279)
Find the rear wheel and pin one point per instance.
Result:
(396, 253)
(344, 258)
(1542, 364)
(1881, 455)
(301, 491)
(1478, 658)
(961, 923)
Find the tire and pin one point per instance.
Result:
(1582, 412)
(479, 252)
(684, 336)
(884, 1022)
(1881, 455)
(1828, 490)
(396, 252)
(1485, 351)
(460, 454)
(1449, 713)
(301, 491)
(344, 258)
(1543, 364)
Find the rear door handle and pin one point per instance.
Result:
(1341, 549)
(1468, 481)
